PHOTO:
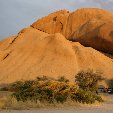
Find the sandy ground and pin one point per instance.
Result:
(107, 107)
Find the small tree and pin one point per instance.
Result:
(88, 80)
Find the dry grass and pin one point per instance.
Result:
(7, 102)
(12, 103)
(107, 97)
(2, 102)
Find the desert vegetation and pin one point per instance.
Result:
(88, 83)
(44, 89)
(88, 80)
(48, 90)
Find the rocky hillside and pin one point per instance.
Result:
(60, 44)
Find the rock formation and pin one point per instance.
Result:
(60, 44)
(91, 27)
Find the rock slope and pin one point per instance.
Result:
(60, 44)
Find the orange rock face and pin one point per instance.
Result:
(90, 26)
(53, 23)
(55, 46)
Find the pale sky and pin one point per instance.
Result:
(17, 14)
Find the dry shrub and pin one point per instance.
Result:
(45, 90)
(38, 92)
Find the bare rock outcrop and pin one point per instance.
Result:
(53, 23)
(36, 53)
(60, 44)
(91, 27)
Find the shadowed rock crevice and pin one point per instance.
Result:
(6, 56)
(12, 41)
(108, 55)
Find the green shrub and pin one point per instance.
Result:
(88, 80)
(88, 83)
(86, 97)
(44, 89)
(61, 98)
(15, 86)
(23, 90)
(49, 90)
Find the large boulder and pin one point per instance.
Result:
(94, 28)
(90, 26)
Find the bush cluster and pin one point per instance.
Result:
(44, 89)
(59, 90)
(87, 97)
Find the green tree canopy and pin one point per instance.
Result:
(88, 80)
